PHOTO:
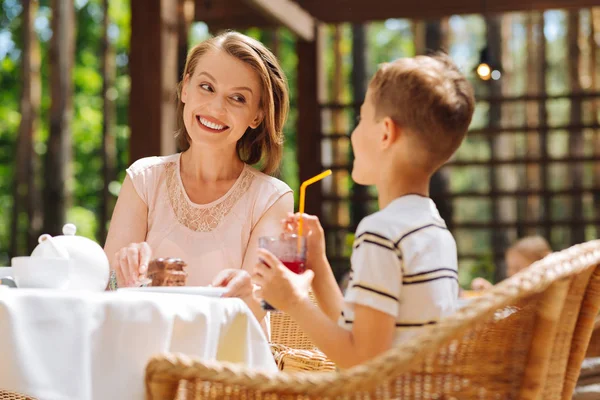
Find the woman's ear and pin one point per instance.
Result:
(184, 88)
(258, 120)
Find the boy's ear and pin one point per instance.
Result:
(391, 132)
(184, 88)
(258, 120)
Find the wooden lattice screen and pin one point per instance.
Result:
(523, 169)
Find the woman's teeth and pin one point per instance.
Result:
(211, 125)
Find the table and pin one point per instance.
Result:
(83, 345)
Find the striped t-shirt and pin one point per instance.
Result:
(404, 264)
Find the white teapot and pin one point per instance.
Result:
(89, 269)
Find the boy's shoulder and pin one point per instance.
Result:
(401, 217)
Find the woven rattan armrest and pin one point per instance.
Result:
(290, 360)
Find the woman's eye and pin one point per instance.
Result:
(239, 99)
(206, 87)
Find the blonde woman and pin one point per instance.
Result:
(209, 204)
(519, 256)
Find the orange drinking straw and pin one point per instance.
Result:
(303, 196)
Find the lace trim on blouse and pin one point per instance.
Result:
(204, 219)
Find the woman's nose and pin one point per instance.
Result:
(218, 106)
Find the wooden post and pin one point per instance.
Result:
(153, 68)
(431, 36)
(546, 214)
(359, 208)
(339, 148)
(494, 40)
(595, 29)
(58, 157)
(185, 17)
(309, 121)
(25, 193)
(506, 143)
(109, 146)
(575, 135)
(532, 180)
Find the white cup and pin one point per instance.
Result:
(6, 272)
(41, 272)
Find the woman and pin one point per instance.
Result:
(519, 256)
(207, 205)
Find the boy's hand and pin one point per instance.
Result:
(279, 286)
(315, 237)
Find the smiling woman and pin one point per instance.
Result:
(208, 205)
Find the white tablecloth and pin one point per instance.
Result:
(81, 345)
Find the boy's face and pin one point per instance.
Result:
(365, 144)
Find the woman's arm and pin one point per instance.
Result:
(127, 232)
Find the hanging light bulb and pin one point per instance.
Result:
(486, 69)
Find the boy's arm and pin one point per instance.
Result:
(326, 290)
(372, 333)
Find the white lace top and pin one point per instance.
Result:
(208, 237)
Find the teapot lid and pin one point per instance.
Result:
(69, 230)
(54, 248)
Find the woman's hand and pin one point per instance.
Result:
(237, 282)
(131, 263)
(480, 284)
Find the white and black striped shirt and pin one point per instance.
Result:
(404, 263)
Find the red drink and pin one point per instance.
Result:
(296, 267)
(291, 251)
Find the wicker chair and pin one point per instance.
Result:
(588, 385)
(292, 348)
(6, 395)
(594, 347)
(523, 339)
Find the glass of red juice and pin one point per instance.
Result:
(291, 251)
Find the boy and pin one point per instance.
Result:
(404, 263)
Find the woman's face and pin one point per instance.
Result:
(221, 100)
(515, 262)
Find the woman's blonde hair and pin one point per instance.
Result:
(533, 248)
(265, 143)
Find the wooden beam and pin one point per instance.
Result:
(229, 14)
(308, 127)
(289, 14)
(338, 11)
(153, 70)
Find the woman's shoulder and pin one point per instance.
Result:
(151, 163)
(267, 183)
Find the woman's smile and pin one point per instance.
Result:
(211, 124)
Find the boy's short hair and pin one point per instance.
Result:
(428, 96)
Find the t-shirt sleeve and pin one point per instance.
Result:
(430, 263)
(142, 176)
(269, 193)
(376, 273)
